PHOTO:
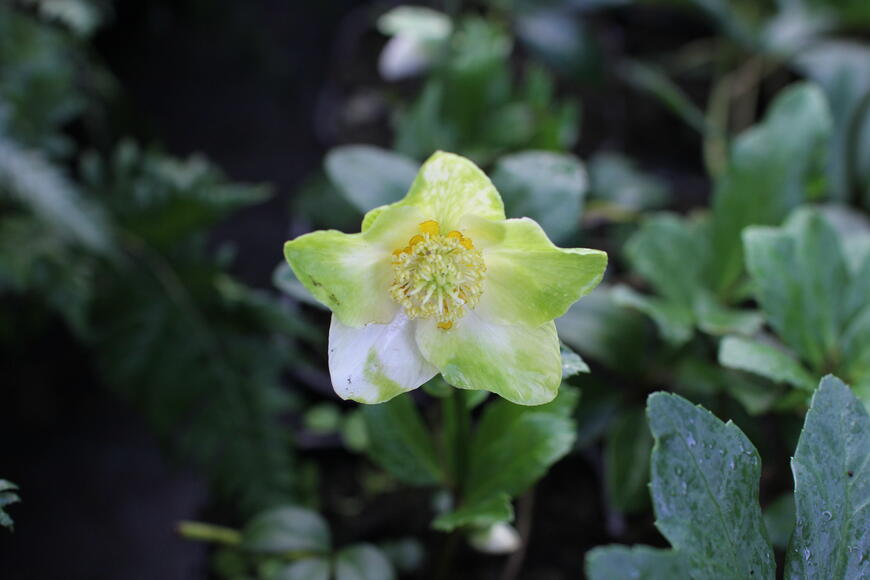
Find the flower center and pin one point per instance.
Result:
(437, 276)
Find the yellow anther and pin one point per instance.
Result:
(430, 227)
(466, 242)
(437, 277)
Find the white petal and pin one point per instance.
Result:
(376, 362)
(499, 538)
(403, 57)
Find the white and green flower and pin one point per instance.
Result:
(441, 282)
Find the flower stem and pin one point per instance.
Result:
(209, 533)
(460, 434)
(456, 429)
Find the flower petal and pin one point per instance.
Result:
(376, 362)
(521, 363)
(530, 281)
(351, 273)
(346, 273)
(449, 187)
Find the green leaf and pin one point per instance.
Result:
(369, 176)
(716, 319)
(603, 330)
(674, 320)
(842, 68)
(287, 529)
(669, 252)
(626, 462)
(307, 569)
(514, 445)
(7, 497)
(547, 187)
(765, 359)
(803, 284)
(29, 179)
(399, 442)
(832, 489)
(572, 363)
(614, 178)
(705, 476)
(482, 513)
(363, 562)
(772, 167)
(637, 563)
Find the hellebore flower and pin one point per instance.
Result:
(441, 282)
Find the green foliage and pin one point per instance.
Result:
(7, 498)
(696, 267)
(46, 81)
(289, 543)
(287, 529)
(512, 447)
(37, 186)
(832, 489)
(196, 351)
(400, 443)
(704, 488)
(368, 176)
(617, 185)
(814, 297)
(362, 562)
(547, 187)
(470, 106)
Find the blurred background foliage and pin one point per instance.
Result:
(719, 151)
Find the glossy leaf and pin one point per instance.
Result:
(637, 563)
(572, 363)
(515, 445)
(307, 569)
(832, 489)
(673, 319)
(399, 441)
(705, 476)
(765, 359)
(363, 562)
(771, 169)
(369, 176)
(547, 187)
(512, 448)
(481, 513)
(287, 529)
(7, 497)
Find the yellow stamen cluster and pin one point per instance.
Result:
(437, 276)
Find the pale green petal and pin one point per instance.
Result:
(530, 281)
(393, 226)
(351, 273)
(376, 362)
(521, 363)
(346, 273)
(449, 187)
